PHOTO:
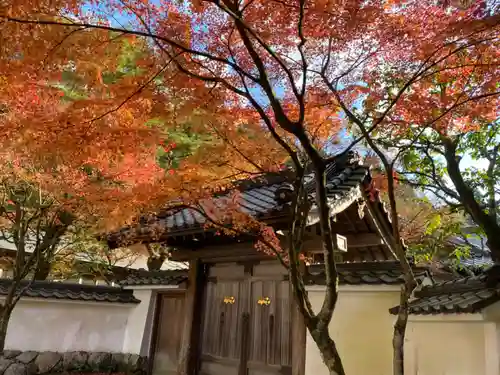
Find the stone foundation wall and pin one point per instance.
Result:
(14, 362)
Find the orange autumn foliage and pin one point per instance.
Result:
(96, 154)
(222, 75)
(49, 141)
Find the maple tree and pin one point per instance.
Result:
(290, 82)
(157, 254)
(61, 171)
(444, 101)
(35, 225)
(456, 125)
(73, 132)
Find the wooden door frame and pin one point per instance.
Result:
(189, 357)
(197, 318)
(299, 340)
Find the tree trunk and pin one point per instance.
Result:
(493, 243)
(42, 270)
(328, 350)
(398, 338)
(467, 198)
(5, 314)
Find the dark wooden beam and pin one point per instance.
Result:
(188, 355)
(226, 253)
(154, 333)
(363, 240)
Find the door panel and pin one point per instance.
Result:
(270, 348)
(212, 365)
(168, 337)
(225, 304)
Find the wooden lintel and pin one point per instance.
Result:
(222, 253)
(183, 255)
(254, 258)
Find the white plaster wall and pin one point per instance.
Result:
(361, 327)
(136, 325)
(51, 325)
(460, 344)
(55, 325)
(448, 346)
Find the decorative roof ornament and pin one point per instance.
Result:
(351, 158)
(361, 208)
(284, 193)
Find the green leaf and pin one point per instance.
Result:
(433, 225)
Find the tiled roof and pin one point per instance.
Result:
(143, 277)
(480, 254)
(263, 198)
(465, 295)
(75, 292)
(477, 261)
(374, 273)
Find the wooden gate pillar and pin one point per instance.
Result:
(188, 356)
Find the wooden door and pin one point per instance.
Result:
(271, 322)
(247, 323)
(170, 322)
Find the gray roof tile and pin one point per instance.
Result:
(71, 291)
(358, 273)
(465, 295)
(143, 278)
(374, 273)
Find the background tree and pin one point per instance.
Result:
(92, 258)
(35, 223)
(462, 170)
(427, 227)
(429, 230)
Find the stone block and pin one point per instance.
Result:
(75, 361)
(120, 362)
(134, 361)
(11, 353)
(16, 369)
(4, 364)
(100, 361)
(26, 357)
(47, 362)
